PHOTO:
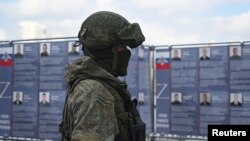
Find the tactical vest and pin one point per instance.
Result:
(131, 126)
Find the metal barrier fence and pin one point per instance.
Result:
(174, 137)
(148, 138)
(153, 91)
(7, 138)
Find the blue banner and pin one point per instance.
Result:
(144, 87)
(197, 93)
(239, 97)
(34, 101)
(184, 88)
(52, 89)
(24, 114)
(6, 84)
(162, 91)
(195, 87)
(213, 87)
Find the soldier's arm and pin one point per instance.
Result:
(93, 111)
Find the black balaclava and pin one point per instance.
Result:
(112, 60)
(120, 61)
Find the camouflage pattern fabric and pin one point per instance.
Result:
(106, 29)
(93, 112)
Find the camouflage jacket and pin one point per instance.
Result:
(91, 109)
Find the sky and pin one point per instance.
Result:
(163, 22)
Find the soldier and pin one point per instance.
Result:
(236, 100)
(176, 99)
(205, 100)
(44, 101)
(18, 51)
(98, 106)
(204, 55)
(176, 56)
(45, 50)
(73, 50)
(235, 54)
(18, 100)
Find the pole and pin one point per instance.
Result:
(153, 91)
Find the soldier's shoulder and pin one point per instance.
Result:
(92, 88)
(88, 85)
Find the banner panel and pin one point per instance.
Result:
(52, 88)
(6, 84)
(184, 88)
(213, 87)
(162, 91)
(239, 97)
(25, 105)
(144, 87)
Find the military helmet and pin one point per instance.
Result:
(105, 29)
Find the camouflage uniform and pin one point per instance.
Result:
(98, 108)
(91, 107)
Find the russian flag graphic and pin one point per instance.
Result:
(6, 57)
(162, 60)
